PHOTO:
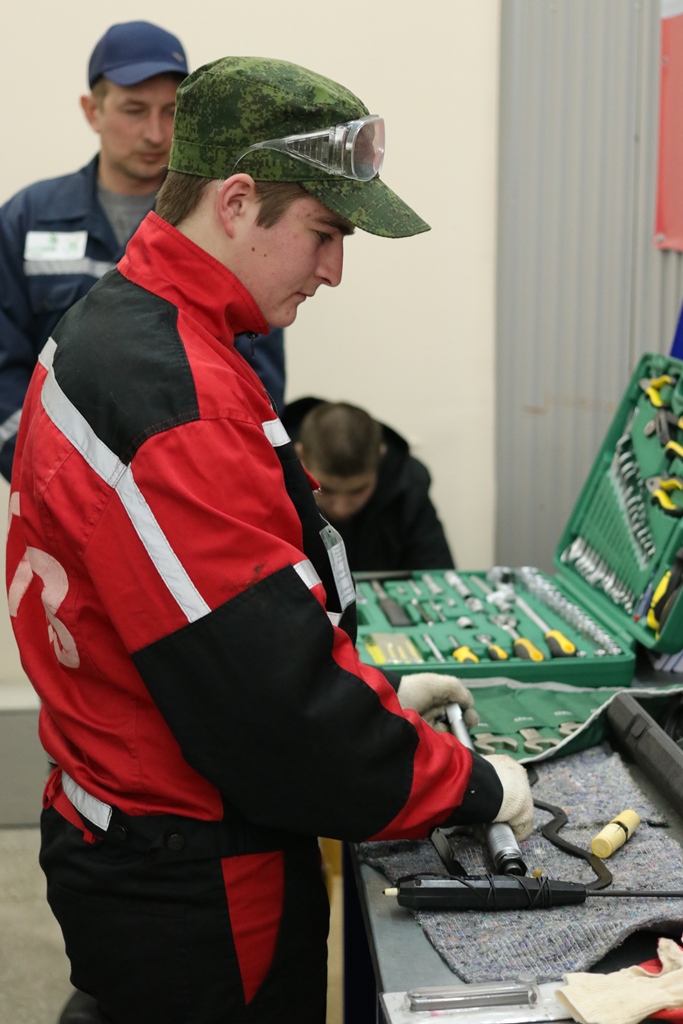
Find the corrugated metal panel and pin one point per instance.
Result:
(582, 292)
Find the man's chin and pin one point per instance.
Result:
(283, 319)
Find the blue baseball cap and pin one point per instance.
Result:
(134, 51)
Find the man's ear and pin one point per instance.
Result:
(236, 202)
(91, 111)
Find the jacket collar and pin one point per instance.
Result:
(168, 264)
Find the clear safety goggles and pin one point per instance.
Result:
(354, 149)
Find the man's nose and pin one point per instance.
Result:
(331, 263)
(154, 129)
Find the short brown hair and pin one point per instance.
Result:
(99, 90)
(180, 195)
(340, 439)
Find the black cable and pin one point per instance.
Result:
(603, 876)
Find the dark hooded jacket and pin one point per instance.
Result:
(398, 528)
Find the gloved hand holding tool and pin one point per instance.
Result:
(516, 813)
(517, 808)
(429, 693)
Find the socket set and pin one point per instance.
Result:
(517, 623)
(619, 572)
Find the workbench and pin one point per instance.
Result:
(401, 956)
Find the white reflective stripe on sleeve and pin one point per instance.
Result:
(9, 428)
(92, 268)
(167, 563)
(306, 571)
(109, 467)
(47, 353)
(334, 617)
(89, 806)
(275, 432)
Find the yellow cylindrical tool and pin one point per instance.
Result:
(615, 834)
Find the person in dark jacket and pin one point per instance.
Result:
(58, 237)
(372, 489)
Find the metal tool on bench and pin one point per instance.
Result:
(432, 586)
(522, 647)
(500, 840)
(461, 652)
(663, 424)
(424, 614)
(453, 580)
(534, 743)
(559, 645)
(493, 650)
(490, 743)
(395, 613)
(533, 580)
(432, 647)
(501, 598)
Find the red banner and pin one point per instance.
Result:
(669, 215)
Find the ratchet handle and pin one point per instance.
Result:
(559, 645)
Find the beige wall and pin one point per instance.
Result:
(410, 332)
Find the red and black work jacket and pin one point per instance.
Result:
(170, 590)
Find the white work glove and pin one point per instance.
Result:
(629, 995)
(517, 808)
(429, 693)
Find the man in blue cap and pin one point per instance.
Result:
(58, 237)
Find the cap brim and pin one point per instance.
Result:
(133, 74)
(369, 205)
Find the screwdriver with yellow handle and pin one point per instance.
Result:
(461, 652)
(522, 647)
(493, 650)
(559, 645)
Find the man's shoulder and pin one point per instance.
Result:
(56, 195)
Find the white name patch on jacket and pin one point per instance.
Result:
(55, 245)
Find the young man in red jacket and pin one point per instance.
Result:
(181, 606)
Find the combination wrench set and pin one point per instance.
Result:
(624, 539)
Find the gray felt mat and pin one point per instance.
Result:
(591, 787)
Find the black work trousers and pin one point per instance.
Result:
(156, 939)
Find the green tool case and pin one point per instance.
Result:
(619, 571)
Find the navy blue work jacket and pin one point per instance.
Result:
(55, 243)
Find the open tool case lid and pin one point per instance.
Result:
(621, 553)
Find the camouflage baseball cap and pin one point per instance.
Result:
(227, 106)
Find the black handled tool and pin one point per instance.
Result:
(503, 892)
(494, 651)
(395, 613)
